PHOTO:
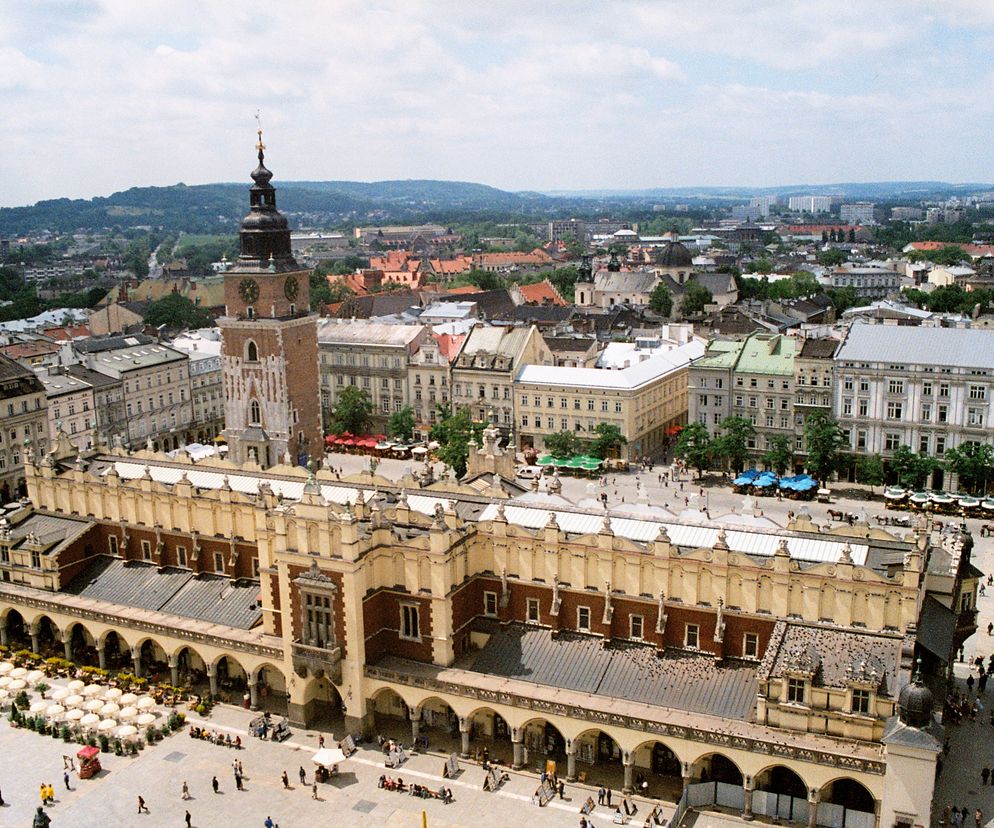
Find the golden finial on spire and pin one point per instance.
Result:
(258, 119)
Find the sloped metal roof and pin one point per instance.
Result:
(217, 599)
(680, 680)
(758, 542)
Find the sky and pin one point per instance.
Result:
(102, 95)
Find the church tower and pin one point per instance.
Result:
(269, 350)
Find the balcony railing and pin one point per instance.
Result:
(317, 661)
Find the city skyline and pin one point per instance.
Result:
(105, 96)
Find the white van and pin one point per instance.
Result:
(529, 472)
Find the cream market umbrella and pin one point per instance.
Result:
(34, 677)
(93, 705)
(107, 725)
(91, 690)
(75, 686)
(5, 681)
(89, 720)
(55, 711)
(108, 710)
(145, 703)
(113, 693)
(17, 685)
(127, 700)
(5, 667)
(18, 673)
(74, 700)
(127, 732)
(127, 713)
(37, 707)
(74, 715)
(59, 693)
(145, 719)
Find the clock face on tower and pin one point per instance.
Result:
(290, 288)
(248, 289)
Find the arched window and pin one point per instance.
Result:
(250, 312)
(252, 351)
(255, 413)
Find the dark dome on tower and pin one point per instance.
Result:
(265, 233)
(916, 702)
(674, 254)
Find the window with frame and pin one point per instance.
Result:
(181, 556)
(319, 620)
(895, 410)
(410, 622)
(583, 619)
(36, 559)
(112, 545)
(489, 603)
(895, 386)
(750, 645)
(975, 416)
(978, 392)
(861, 701)
(847, 383)
(219, 562)
(255, 567)
(636, 624)
(892, 441)
(795, 690)
(532, 611)
(146, 550)
(692, 636)
(864, 385)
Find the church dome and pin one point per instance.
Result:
(674, 255)
(916, 702)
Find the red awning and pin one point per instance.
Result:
(674, 429)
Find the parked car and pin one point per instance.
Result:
(529, 472)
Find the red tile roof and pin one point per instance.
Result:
(541, 293)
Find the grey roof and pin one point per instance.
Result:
(177, 591)
(111, 343)
(686, 681)
(16, 380)
(356, 332)
(936, 627)
(627, 281)
(50, 530)
(94, 378)
(929, 738)
(911, 345)
(834, 655)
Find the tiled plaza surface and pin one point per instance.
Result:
(352, 798)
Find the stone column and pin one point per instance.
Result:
(517, 749)
(67, 646)
(35, 639)
(415, 731)
(136, 660)
(102, 654)
(174, 670)
(628, 761)
(747, 786)
(212, 677)
(571, 762)
(813, 799)
(464, 733)
(253, 686)
(3, 637)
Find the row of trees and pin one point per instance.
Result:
(564, 444)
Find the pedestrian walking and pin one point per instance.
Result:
(562, 789)
(978, 817)
(142, 806)
(314, 789)
(214, 784)
(189, 820)
(303, 775)
(600, 795)
(268, 823)
(186, 790)
(982, 682)
(65, 778)
(286, 781)
(970, 682)
(321, 741)
(986, 772)
(608, 797)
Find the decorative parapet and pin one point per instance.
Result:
(693, 734)
(317, 661)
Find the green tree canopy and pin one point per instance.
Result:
(562, 444)
(661, 300)
(870, 470)
(843, 298)
(176, 311)
(694, 447)
(760, 265)
(453, 431)
(353, 412)
(608, 439)
(400, 426)
(911, 469)
(973, 463)
(695, 297)
(733, 444)
(780, 455)
(949, 254)
(485, 280)
(824, 440)
(831, 258)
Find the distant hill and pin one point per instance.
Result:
(878, 190)
(211, 208)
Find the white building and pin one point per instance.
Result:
(860, 212)
(810, 204)
(926, 388)
(206, 382)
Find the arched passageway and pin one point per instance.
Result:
(82, 646)
(15, 631)
(658, 771)
(542, 742)
(116, 652)
(781, 794)
(846, 802)
(490, 736)
(271, 689)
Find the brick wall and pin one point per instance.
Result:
(381, 618)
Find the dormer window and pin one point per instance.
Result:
(796, 690)
(860, 702)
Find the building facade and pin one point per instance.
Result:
(269, 351)
(71, 407)
(23, 426)
(775, 661)
(428, 383)
(110, 421)
(868, 281)
(206, 385)
(813, 373)
(646, 401)
(926, 388)
(369, 356)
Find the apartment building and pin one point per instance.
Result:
(71, 407)
(428, 379)
(206, 383)
(813, 372)
(23, 424)
(110, 421)
(926, 388)
(647, 401)
(751, 378)
(368, 355)
(156, 380)
(870, 281)
(483, 373)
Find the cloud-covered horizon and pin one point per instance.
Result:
(102, 95)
